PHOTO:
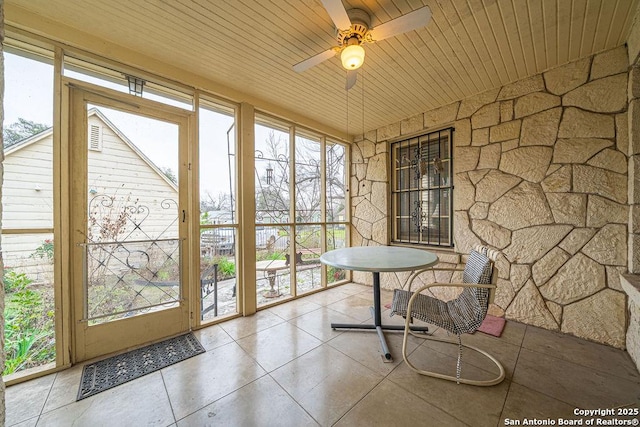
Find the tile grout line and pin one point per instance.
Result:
(221, 397)
(548, 395)
(511, 381)
(267, 373)
(48, 395)
(298, 356)
(593, 368)
(231, 391)
(164, 384)
(292, 398)
(556, 358)
(420, 397)
(346, 355)
(384, 377)
(322, 343)
(424, 343)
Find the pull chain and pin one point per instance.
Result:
(362, 85)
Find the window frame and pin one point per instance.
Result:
(50, 232)
(411, 206)
(296, 131)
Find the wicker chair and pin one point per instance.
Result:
(463, 314)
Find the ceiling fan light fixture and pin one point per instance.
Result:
(352, 57)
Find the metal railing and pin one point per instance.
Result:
(128, 278)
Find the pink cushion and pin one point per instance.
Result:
(492, 325)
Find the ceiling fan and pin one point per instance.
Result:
(353, 30)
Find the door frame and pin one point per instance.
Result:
(88, 342)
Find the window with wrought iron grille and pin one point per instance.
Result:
(422, 189)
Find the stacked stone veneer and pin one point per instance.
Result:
(631, 283)
(540, 174)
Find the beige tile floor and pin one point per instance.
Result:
(286, 367)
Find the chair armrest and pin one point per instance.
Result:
(451, 270)
(424, 270)
(456, 285)
(437, 269)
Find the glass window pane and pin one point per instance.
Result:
(217, 172)
(336, 239)
(273, 266)
(112, 79)
(133, 251)
(403, 228)
(272, 171)
(308, 188)
(336, 182)
(217, 272)
(407, 202)
(27, 190)
(308, 250)
(445, 204)
(29, 301)
(27, 203)
(289, 265)
(405, 179)
(217, 151)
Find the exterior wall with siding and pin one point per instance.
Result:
(117, 173)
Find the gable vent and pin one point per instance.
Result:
(95, 137)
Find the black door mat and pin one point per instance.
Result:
(116, 370)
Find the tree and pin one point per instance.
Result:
(336, 198)
(308, 185)
(272, 193)
(273, 198)
(168, 172)
(20, 130)
(221, 202)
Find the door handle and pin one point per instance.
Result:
(184, 215)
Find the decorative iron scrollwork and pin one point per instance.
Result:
(131, 268)
(415, 163)
(418, 216)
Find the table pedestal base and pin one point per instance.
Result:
(377, 324)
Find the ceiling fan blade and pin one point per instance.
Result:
(337, 13)
(411, 21)
(352, 76)
(314, 60)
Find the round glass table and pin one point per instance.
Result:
(377, 259)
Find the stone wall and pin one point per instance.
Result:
(634, 151)
(631, 283)
(541, 175)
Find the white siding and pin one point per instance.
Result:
(27, 191)
(19, 254)
(115, 171)
(118, 171)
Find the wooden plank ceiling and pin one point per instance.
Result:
(250, 45)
